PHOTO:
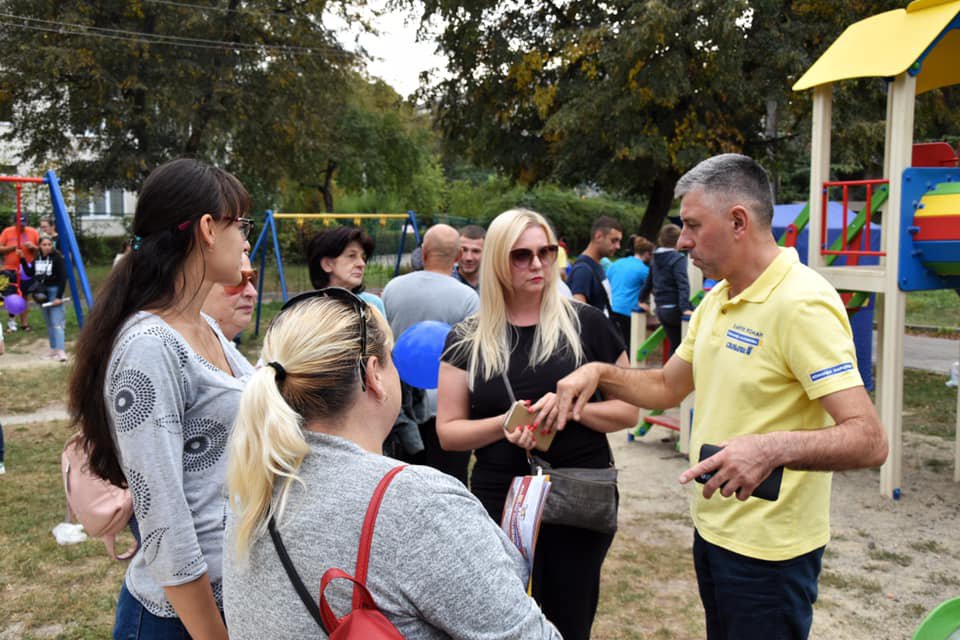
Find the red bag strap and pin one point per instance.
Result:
(361, 596)
(366, 534)
(330, 620)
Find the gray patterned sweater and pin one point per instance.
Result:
(171, 412)
(439, 566)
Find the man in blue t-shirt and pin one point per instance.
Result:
(627, 276)
(587, 280)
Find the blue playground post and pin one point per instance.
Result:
(71, 253)
(269, 227)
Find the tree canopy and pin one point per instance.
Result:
(106, 90)
(627, 95)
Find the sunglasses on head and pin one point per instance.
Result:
(523, 258)
(358, 303)
(246, 275)
(246, 224)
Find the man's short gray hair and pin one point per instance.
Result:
(732, 176)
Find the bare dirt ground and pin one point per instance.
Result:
(888, 564)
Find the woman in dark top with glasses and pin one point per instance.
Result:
(527, 331)
(156, 389)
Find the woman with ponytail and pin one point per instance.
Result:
(305, 454)
(156, 389)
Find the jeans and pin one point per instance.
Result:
(134, 622)
(749, 599)
(55, 319)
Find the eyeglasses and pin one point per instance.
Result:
(246, 275)
(356, 302)
(523, 258)
(246, 224)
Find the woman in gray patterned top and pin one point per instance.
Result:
(306, 451)
(156, 389)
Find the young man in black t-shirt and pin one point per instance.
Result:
(587, 280)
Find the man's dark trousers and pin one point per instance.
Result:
(749, 599)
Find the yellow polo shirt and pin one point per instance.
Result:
(760, 361)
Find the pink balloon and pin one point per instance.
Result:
(15, 304)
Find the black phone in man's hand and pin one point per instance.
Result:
(769, 489)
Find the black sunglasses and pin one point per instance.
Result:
(522, 258)
(356, 302)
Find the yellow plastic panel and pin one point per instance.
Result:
(886, 45)
(941, 68)
(946, 205)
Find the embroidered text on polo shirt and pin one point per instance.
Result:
(743, 339)
(831, 371)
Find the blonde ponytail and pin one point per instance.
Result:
(267, 444)
(317, 344)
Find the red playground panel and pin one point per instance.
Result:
(934, 154)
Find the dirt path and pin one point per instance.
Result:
(888, 564)
(27, 354)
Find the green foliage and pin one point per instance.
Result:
(628, 95)
(383, 151)
(107, 110)
(570, 213)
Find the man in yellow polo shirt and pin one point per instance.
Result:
(771, 355)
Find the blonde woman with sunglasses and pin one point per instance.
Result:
(527, 332)
(304, 459)
(155, 390)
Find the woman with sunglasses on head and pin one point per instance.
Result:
(528, 336)
(232, 305)
(305, 458)
(338, 258)
(156, 389)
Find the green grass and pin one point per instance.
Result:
(865, 586)
(881, 555)
(25, 390)
(49, 590)
(939, 308)
(929, 406)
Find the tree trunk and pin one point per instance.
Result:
(325, 190)
(659, 199)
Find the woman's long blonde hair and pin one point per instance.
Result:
(317, 343)
(486, 336)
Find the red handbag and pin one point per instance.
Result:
(364, 621)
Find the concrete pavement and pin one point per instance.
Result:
(928, 354)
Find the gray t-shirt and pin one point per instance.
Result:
(425, 295)
(171, 412)
(439, 567)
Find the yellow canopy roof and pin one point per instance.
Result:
(887, 44)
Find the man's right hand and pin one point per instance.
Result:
(574, 391)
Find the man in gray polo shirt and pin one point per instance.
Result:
(431, 294)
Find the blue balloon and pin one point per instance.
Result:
(417, 353)
(15, 304)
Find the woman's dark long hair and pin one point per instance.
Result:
(151, 276)
(330, 244)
